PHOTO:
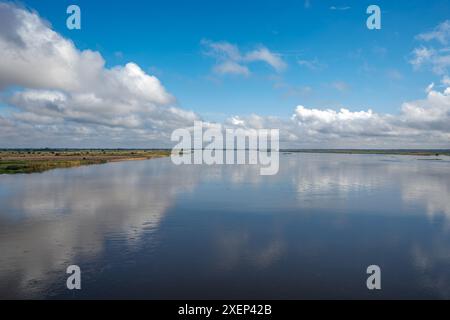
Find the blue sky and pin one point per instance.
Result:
(164, 38)
(138, 69)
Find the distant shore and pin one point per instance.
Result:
(13, 161)
(405, 152)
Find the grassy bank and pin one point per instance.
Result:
(29, 161)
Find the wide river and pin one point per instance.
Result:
(150, 229)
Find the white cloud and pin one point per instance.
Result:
(342, 123)
(229, 58)
(68, 98)
(435, 57)
(420, 124)
(73, 90)
(263, 54)
(231, 67)
(35, 56)
(440, 33)
(421, 55)
(222, 50)
(432, 115)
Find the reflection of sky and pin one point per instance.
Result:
(49, 219)
(239, 219)
(423, 184)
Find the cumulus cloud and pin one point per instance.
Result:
(70, 89)
(230, 60)
(430, 115)
(66, 97)
(423, 123)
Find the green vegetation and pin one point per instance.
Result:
(34, 160)
(40, 166)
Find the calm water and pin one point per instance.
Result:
(149, 229)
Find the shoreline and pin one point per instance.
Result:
(403, 152)
(16, 161)
(41, 160)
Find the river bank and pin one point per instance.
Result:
(29, 161)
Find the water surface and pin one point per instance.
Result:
(150, 229)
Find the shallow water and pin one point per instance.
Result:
(150, 229)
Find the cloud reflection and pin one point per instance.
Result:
(48, 221)
(51, 220)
